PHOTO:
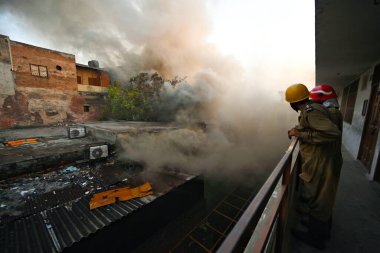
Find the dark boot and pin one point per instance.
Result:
(304, 220)
(318, 232)
(320, 228)
(302, 208)
(309, 238)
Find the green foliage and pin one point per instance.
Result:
(135, 101)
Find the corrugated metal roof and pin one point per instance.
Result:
(57, 228)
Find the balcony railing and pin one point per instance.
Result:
(92, 88)
(263, 225)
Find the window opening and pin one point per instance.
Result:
(38, 70)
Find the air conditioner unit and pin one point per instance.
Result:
(98, 152)
(76, 132)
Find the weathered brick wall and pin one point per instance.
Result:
(23, 55)
(40, 106)
(77, 107)
(45, 101)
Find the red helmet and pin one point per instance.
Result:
(322, 92)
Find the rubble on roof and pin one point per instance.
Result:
(22, 196)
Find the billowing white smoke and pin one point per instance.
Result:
(247, 118)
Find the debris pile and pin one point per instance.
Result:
(23, 196)
(121, 194)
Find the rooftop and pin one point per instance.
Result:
(52, 201)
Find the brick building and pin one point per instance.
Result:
(39, 86)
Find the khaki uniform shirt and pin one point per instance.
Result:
(318, 138)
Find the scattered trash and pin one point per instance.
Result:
(16, 193)
(71, 169)
(2, 205)
(27, 192)
(122, 194)
(16, 143)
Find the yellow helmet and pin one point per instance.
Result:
(296, 92)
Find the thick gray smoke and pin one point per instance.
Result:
(247, 119)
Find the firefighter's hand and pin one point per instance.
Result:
(293, 132)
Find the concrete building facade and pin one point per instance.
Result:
(348, 58)
(39, 86)
(362, 121)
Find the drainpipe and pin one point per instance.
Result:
(10, 52)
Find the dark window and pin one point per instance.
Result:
(86, 108)
(94, 81)
(365, 106)
(58, 67)
(38, 70)
(79, 79)
(348, 101)
(376, 74)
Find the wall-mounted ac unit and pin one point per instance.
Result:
(76, 132)
(98, 151)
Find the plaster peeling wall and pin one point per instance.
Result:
(41, 106)
(7, 82)
(41, 99)
(52, 106)
(55, 106)
(60, 116)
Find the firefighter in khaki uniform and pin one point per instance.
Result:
(326, 95)
(317, 136)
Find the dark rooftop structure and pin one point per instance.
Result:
(46, 208)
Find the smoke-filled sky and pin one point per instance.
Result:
(256, 33)
(238, 55)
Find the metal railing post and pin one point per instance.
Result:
(286, 177)
(276, 202)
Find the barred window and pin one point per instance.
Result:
(38, 70)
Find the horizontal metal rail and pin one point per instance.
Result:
(237, 238)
